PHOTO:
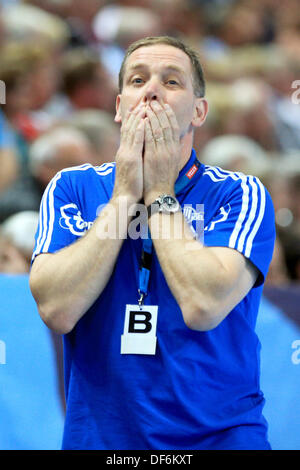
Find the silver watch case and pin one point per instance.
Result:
(165, 203)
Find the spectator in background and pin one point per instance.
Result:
(55, 7)
(278, 274)
(295, 191)
(28, 73)
(287, 28)
(181, 18)
(28, 23)
(17, 242)
(281, 176)
(2, 30)
(242, 24)
(79, 17)
(237, 153)
(85, 83)
(240, 98)
(290, 242)
(283, 184)
(39, 38)
(59, 148)
(248, 113)
(15, 73)
(101, 130)
(116, 26)
(9, 168)
(9, 162)
(280, 74)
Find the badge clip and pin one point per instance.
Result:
(141, 299)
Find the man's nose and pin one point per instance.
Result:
(152, 92)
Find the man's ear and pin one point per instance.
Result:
(200, 112)
(118, 117)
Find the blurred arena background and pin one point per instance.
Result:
(59, 62)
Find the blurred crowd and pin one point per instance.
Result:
(59, 64)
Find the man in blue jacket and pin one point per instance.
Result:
(158, 323)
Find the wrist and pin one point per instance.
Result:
(128, 198)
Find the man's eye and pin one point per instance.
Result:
(137, 80)
(172, 82)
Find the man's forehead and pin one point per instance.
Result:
(159, 53)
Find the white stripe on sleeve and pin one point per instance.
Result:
(254, 205)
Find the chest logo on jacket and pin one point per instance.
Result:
(71, 219)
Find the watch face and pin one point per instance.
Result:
(170, 204)
(169, 200)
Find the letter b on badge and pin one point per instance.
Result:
(139, 322)
(139, 335)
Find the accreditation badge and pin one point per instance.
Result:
(139, 336)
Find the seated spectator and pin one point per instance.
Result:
(283, 185)
(118, 25)
(15, 73)
(17, 242)
(295, 191)
(9, 168)
(85, 83)
(13, 144)
(22, 71)
(278, 274)
(57, 149)
(28, 73)
(241, 23)
(51, 152)
(2, 30)
(281, 75)
(39, 38)
(287, 28)
(58, 8)
(44, 82)
(290, 240)
(236, 153)
(248, 112)
(9, 162)
(79, 17)
(32, 24)
(101, 130)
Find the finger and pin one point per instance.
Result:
(134, 117)
(130, 116)
(156, 129)
(126, 123)
(139, 136)
(172, 120)
(139, 117)
(163, 119)
(149, 139)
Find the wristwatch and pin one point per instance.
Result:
(165, 203)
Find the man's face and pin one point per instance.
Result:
(160, 72)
